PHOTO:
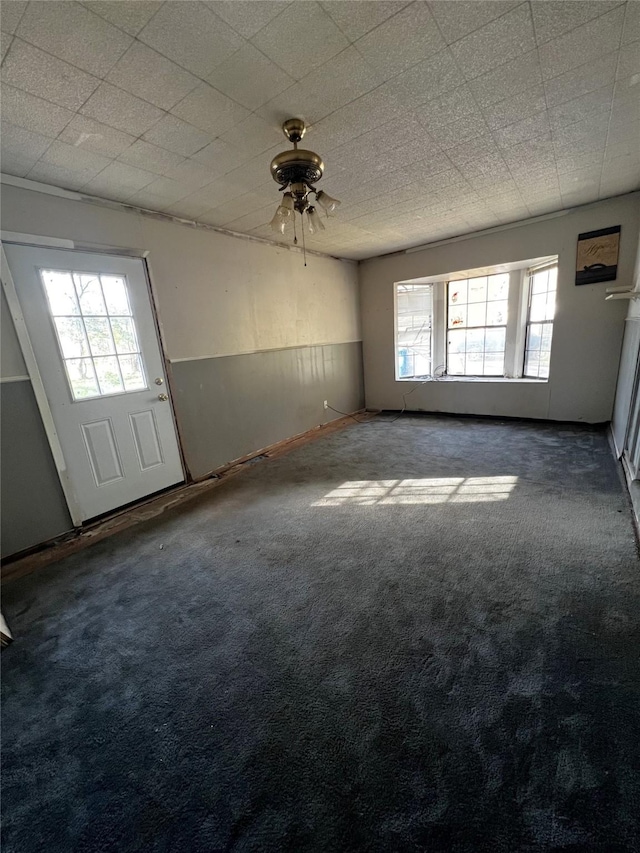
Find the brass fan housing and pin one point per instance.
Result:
(297, 166)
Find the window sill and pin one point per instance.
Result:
(469, 379)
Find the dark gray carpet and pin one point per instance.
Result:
(445, 664)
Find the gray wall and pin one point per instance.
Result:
(587, 333)
(255, 340)
(32, 502)
(228, 407)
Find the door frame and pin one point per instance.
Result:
(22, 333)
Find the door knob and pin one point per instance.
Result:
(163, 397)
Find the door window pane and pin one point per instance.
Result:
(108, 373)
(96, 332)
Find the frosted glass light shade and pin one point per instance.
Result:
(327, 203)
(279, 222)
(287, 202)
(314, 223)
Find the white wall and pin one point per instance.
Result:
(587, 334)
(216, 294)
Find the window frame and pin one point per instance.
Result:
(530, 272)
(396, 291)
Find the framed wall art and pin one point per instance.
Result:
(597, 255)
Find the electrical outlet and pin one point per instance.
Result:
(326, 404)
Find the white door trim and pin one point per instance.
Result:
(22, 334)
(35, 240)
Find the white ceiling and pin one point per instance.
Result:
(434, 119)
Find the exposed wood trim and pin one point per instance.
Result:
(58, 549)
(29, 356)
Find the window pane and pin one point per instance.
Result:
(108, 375)
(132, 372)
(538, 308)
(477, 289)
(543, 371)
(115, 294)
(457, 341)
(457, 292)
(534, 336)
(455, 365)
(497, 313)
(493, 364)
(477, 314)
(413, 329)
(99, 334)
(551, 305)
(124, 334)
(73, 341)
(60, 292)
(498, 286)
(474, 364)
(539, 282)
(457, 315)
(531, 364)
(546, 337)
(89, 294)
(495, 340)
(82, 378)
(475, 340)
(553, 278)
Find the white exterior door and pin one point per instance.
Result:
(93, 333)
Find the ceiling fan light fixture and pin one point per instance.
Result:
(326, 202)
(298, 171)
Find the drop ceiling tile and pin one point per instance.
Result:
(520, 131)
(11, 14)
(144, 155)
(17, 165)
(447, 108)
(600, 37)
(128, 16)
(592, 127)
(90, 135)
(72, 33)
(5, 44)
(401, 41)
(357, 19)
(219, 157)
(18, 142)
(339, 82)
(216, 193)
(191, 35)
(121, 110)
(31, 70)
(148, 200)
(177, 135)
(554, 18)
(494, 44)
(457, 21)
(148, 75)
(425, 81)
(187, 210)
(508, 80)
(210, 110)
(371, 110)
(165, 188)
(254, 173)
(569, 163)
(581, 81)
(250, 78)
(252, 136)
(76, 160)
(28, 111)
(631, 31)
(537, 152)
(119, 180)
(628, 87)
(474, 149)
(57, 176)
(247, 18)
(629, 60)
(591, 104)
(462, 130)
(242, 205)
(192, 174)
(308, 27)
(516, 108)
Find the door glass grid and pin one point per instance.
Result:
(542, 306)
(96, 332)
(477, 325)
